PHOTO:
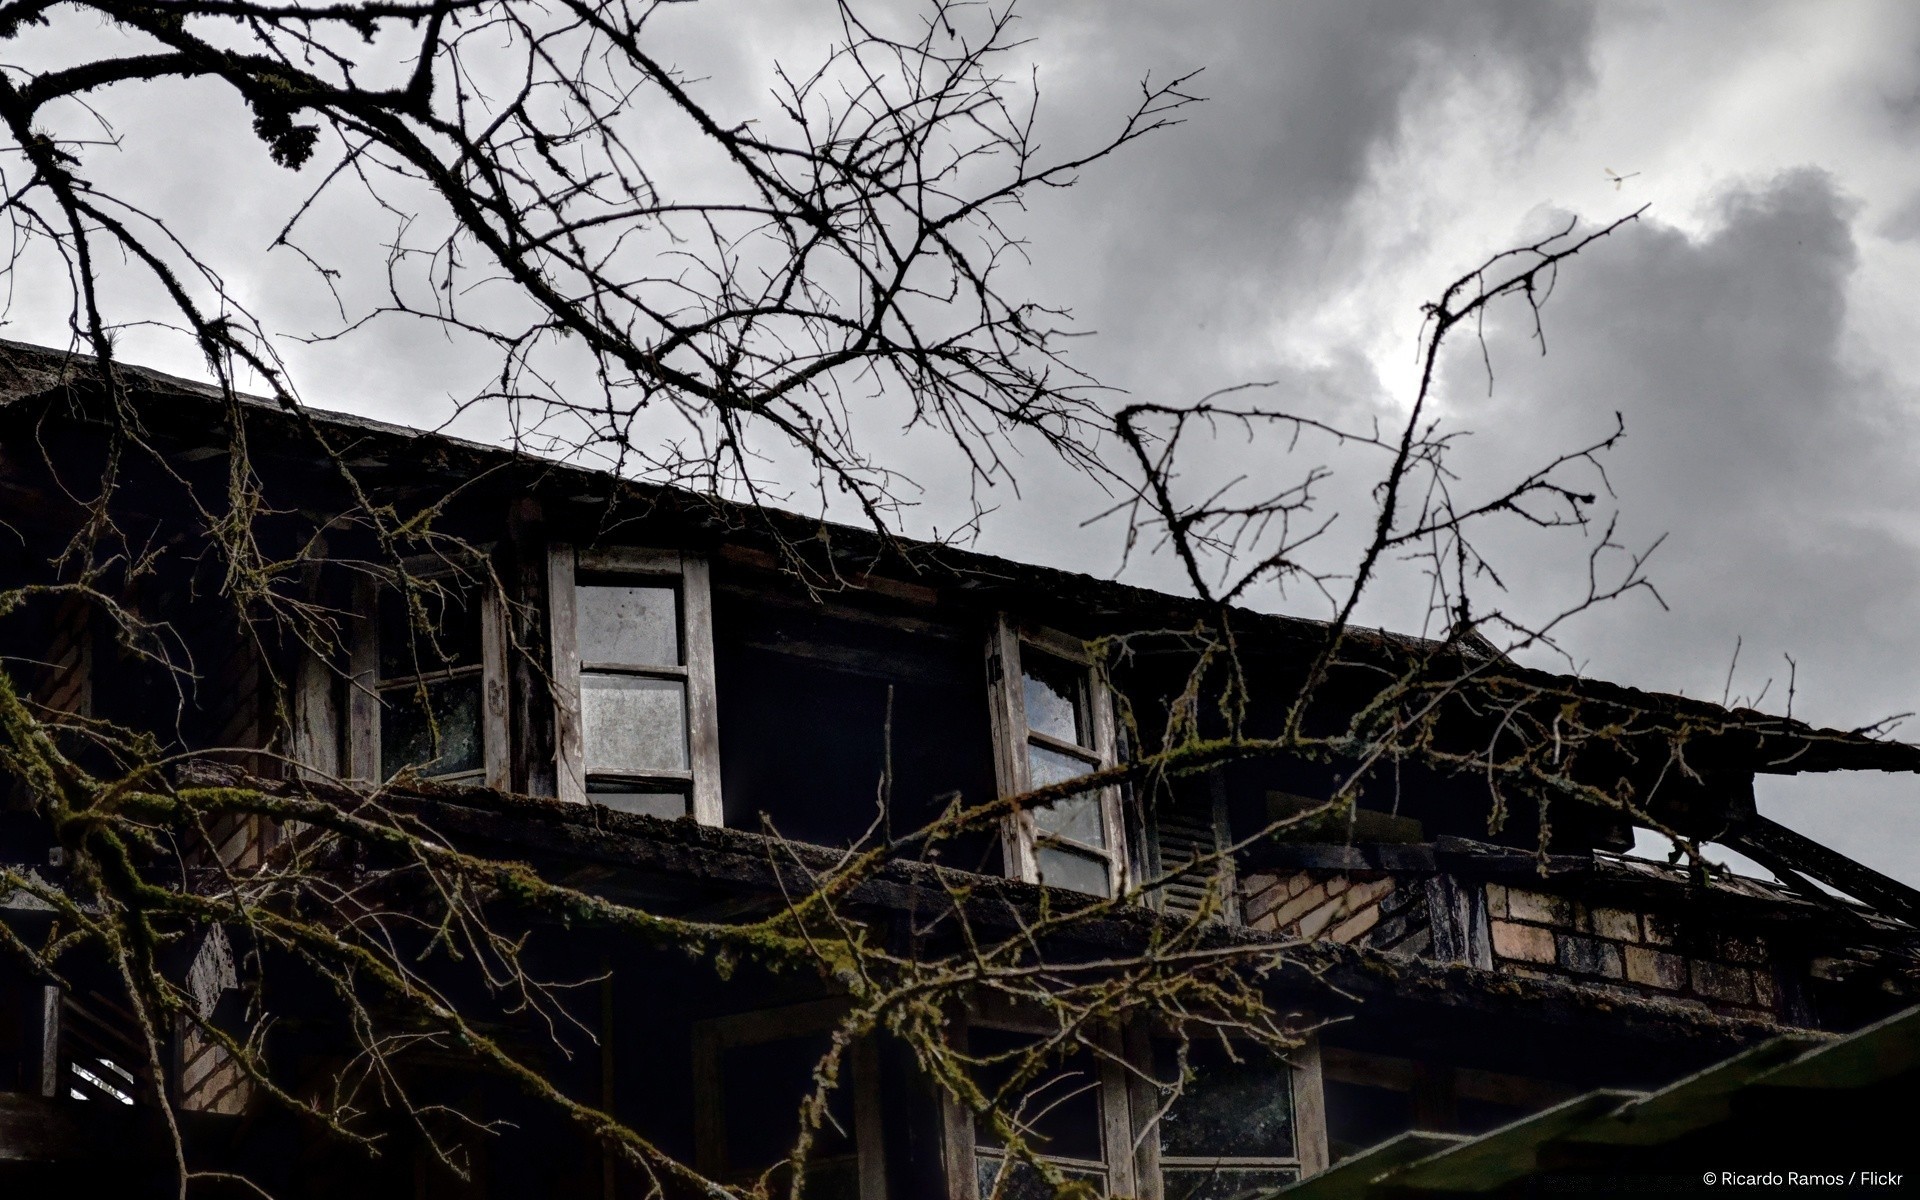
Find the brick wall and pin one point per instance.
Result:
(1519, 931)
(1367, 908)
(1537, 933)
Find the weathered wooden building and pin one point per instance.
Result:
(656, 683)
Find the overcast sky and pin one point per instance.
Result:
(1754, 328)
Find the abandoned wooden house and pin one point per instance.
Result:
(653, 692)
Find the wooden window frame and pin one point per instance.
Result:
(1011, 736)
(1124, 1173)
(363, 757)
(1306, 1090)
(715, 1035)
(691, 574)
(1130, 1106)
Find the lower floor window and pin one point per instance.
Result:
(1059, 1111)
(1228, 1129)
(752, 1072)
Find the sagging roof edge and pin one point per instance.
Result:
(1329, 975)
(1784, 745)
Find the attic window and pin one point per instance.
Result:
(430, 684)
(633, 645)
(1054, 723)
(428, 677)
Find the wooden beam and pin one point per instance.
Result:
(1763, 839)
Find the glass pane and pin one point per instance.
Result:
(1077, 817)
(1227, 1109)
(444, 634)
(633, 724)
(1063, 868)
(761, 1089)
(629, 624)
(1046, 765)
(1061, 1105)
(407, 737)
(1056, 696)
(1023, 1182)
(665, 805)
(1223, 1183)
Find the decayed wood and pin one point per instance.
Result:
(316, 718)
(1106, 741)
(1458, 912)
(629, 560)
(1143, 1098)
(49, 1040)
(563, 624)
(1765, 840)
(1116, 1114)
(703, 713)
(1309, 1108)
(363, 696)
(496, 730)
(1007, 711)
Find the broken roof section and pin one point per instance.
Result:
(1702, 753)
(1835, 1111)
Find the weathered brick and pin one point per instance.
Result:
(1362, 894)
(1356, 925)
(1496, 900)
(1538, 906)
(1740, 948)
(1616, 923)
(1298, 883)
(1764, 991)
(1315, 922)
(1260, 895)
(1336, 885)
(1661, 930)
(1721, 981)
(1589, 956)
(1527, 943)
(1296, 908)
(1653, 968)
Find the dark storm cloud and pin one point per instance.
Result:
(1186, 250)
(1781, 471)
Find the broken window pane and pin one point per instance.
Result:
(1064, 868)
(1048, 766)
(632, 723)
(407, 737)
(1056, 697)
(1077, 818)
(443, 634)
(630, 624)
(1227, 1109)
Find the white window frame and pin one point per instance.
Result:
(363, 694)
(1011, 736)
(713, 1036)
(692, 576)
